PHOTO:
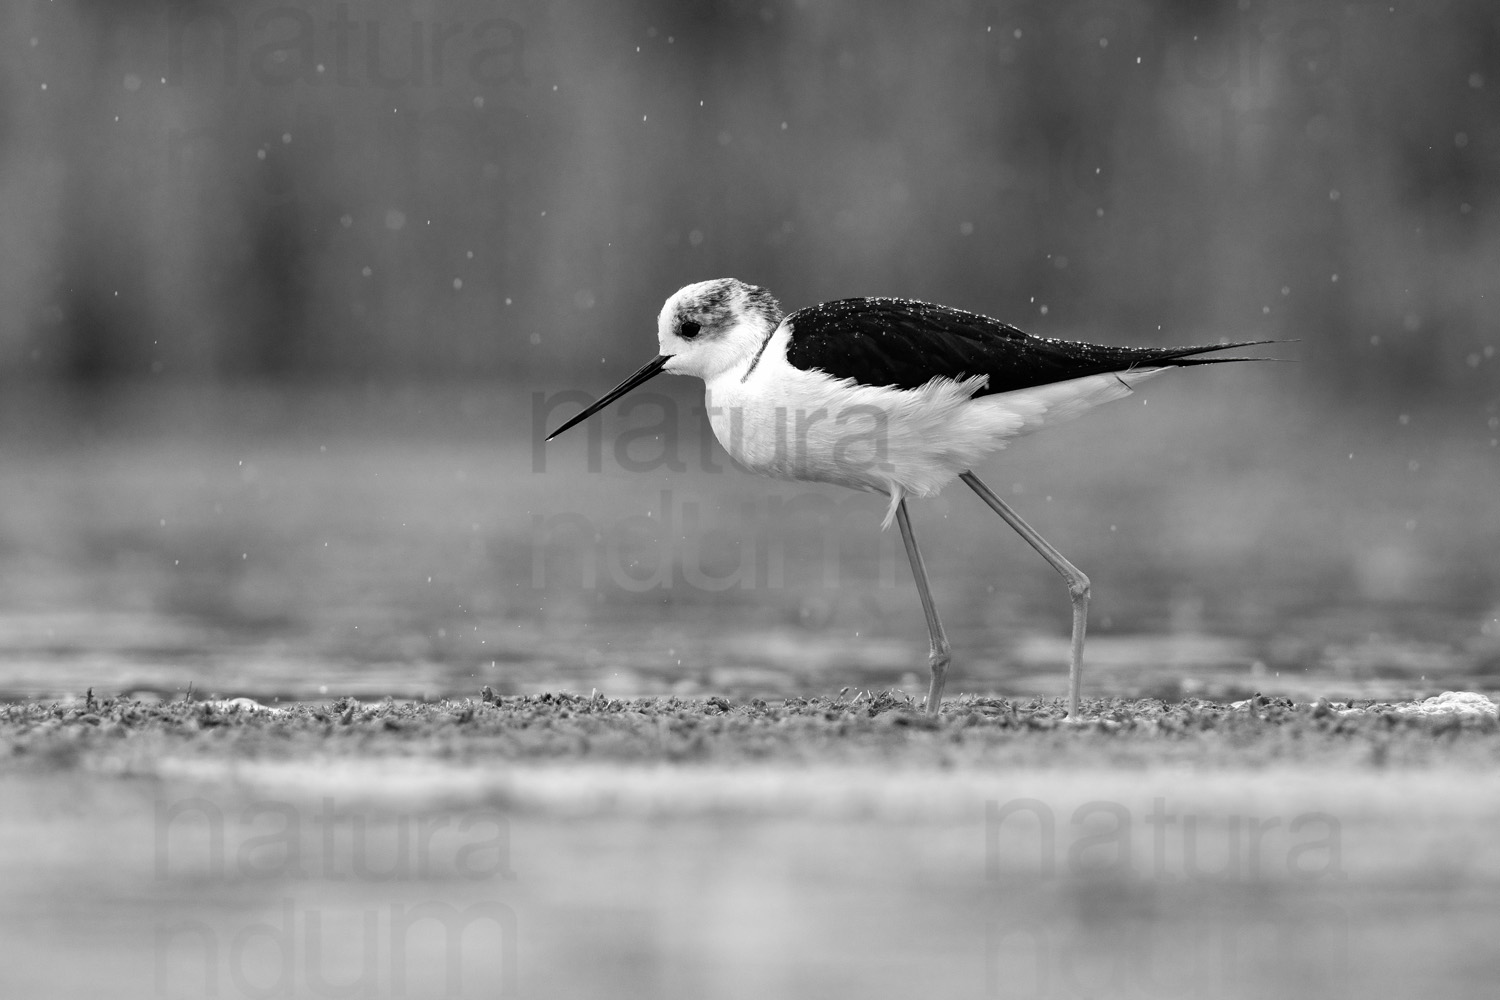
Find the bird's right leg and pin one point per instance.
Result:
(938, 656)
(1078, 584)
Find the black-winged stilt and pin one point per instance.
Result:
(889, 396)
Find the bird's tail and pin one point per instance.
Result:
(1182, 357)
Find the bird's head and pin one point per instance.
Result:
(710, 326)
(704, 329)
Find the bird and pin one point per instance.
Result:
(892, 396)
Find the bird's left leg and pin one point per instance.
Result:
(1078, 584)
(938, 656)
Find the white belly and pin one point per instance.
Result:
(809, 439)
(793, 424)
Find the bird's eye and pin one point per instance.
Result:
(688, 330)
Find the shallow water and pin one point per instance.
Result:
(286, 544)
(312, 545)
(426, 880)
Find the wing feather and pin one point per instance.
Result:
(905, 344)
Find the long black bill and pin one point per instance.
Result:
(648, 370)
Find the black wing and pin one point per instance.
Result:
(905, 344)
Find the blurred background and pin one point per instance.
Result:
(291, 292)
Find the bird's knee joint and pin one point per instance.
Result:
(1080, 589)
(939, 658)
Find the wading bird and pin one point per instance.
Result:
(889, 396)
